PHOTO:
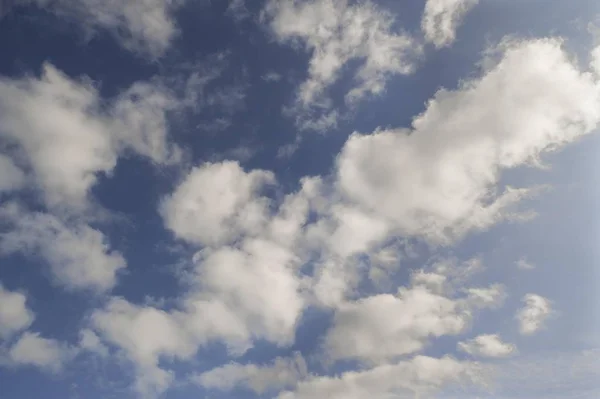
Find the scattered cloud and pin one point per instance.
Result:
(336, 32)
(420, 376)
(68, 139)
(524, 264)
(34, 350)
(14, 313)
(533, 314)
(216, 203)
(439, 179)
(442, 18)
(282, 373)
(78, 255)
(143, 26)
(487, 345)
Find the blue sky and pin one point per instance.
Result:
(299, 199)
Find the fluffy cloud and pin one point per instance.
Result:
(33, 350)
(524, 264)
(419, 376)
(439, 179)
(68, 138)
(489, 297)
(533, 314)
(143, 26)
(78, 255)
(385, 326)
(90, 342)
(281, 374)
(234, 277)
(144, 334)
(336, 32)
(442, 18)
(216, 203)
(14, 313)
(487, 345)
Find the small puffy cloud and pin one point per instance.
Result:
(282, 373)
(53, 120)
(337, 32)
(90, 342)
(439, 179)
(385, 326)
(14, 313)
(33, 350)
(421, 376)
(78, 255)
(488, 297)
(442, 18)
(236, 278)
(524, 264)
(11, 177)
(216, 203)
(487, 345)
(142, 26)
(533, 314)
(144, 334)
(68, 137)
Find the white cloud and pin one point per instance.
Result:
(237, 10)
(216, 203)
(78, 255)
(90, 342)
(271, 76)
(524, 264)
(14, 313)
(33, 350)
(533, 314)
(11, 177)
(489, 297)
(439, 179)
(487, 345)
(60, 128)
(282, 373)
(442, 18)
(336, 32)
(237, 277)
(143, 26)
(144, 334)
(385, 326)
(420, 376)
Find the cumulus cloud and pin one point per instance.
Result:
(216, 203)
(337, 32)
(144, 334)
(487, 345)
(442, 18)
(143, 26)
(524, 264)
(33, 350)
(282, 373)
(68, 138)
(533, 314)
(14, 313)
(439, 179)
(90, 342)
(385, 326)
(78, 255)
(420, 376)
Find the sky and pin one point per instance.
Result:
(299, 199)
